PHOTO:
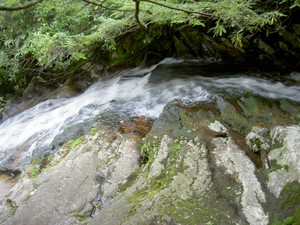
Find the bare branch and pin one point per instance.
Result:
(16, 8)
(137, 18)
(105, 7)
(203, 14)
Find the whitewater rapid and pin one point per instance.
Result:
(136, 92)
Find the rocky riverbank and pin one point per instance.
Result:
(224, 161)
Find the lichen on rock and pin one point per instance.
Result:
(257, 140)
(237, 164)
(287, 156)
(64, 191)
(191, 168)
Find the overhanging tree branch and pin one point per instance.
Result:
(136, 15)
(203, 14)
(143, 26)
(16, 8)
(104, 7)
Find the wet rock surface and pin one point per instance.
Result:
(193, 167)
(138, 125)
(61, 194)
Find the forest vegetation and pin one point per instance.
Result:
(48, 37)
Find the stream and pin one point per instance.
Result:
(135, 92)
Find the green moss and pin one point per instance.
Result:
(158, 183)
(287, 210)
(77, 142)
(81, 216)
(92, 131)
(249, 105)
(52, 164)
(12, 206)
(48, 162)
(72, 144)
(294, 219)
(67, 148)
(242, 113)
(34, 172)
(175, 122)
(137, 199)
(236, 121)
(130, 180)
(290, 108)
(34, 168)
(148, 149)
(290, 195)
(2, 103)
(194, 211)
(254, 108)
(189, 210)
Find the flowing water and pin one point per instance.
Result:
(136, 92)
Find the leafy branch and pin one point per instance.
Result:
(204, 14)
(105, 7)
(137, 18)
(143, 26)
(16, 8)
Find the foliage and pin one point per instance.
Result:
(293, 4)
(2, 102)
(53, 35)
(288, 206)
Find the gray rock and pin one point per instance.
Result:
(62, 194)
(172, 184)
(166, 178)
(218, 127)
(257, 140)
(185, 181)
(236, 163)
(161, 155)
(287, 155)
